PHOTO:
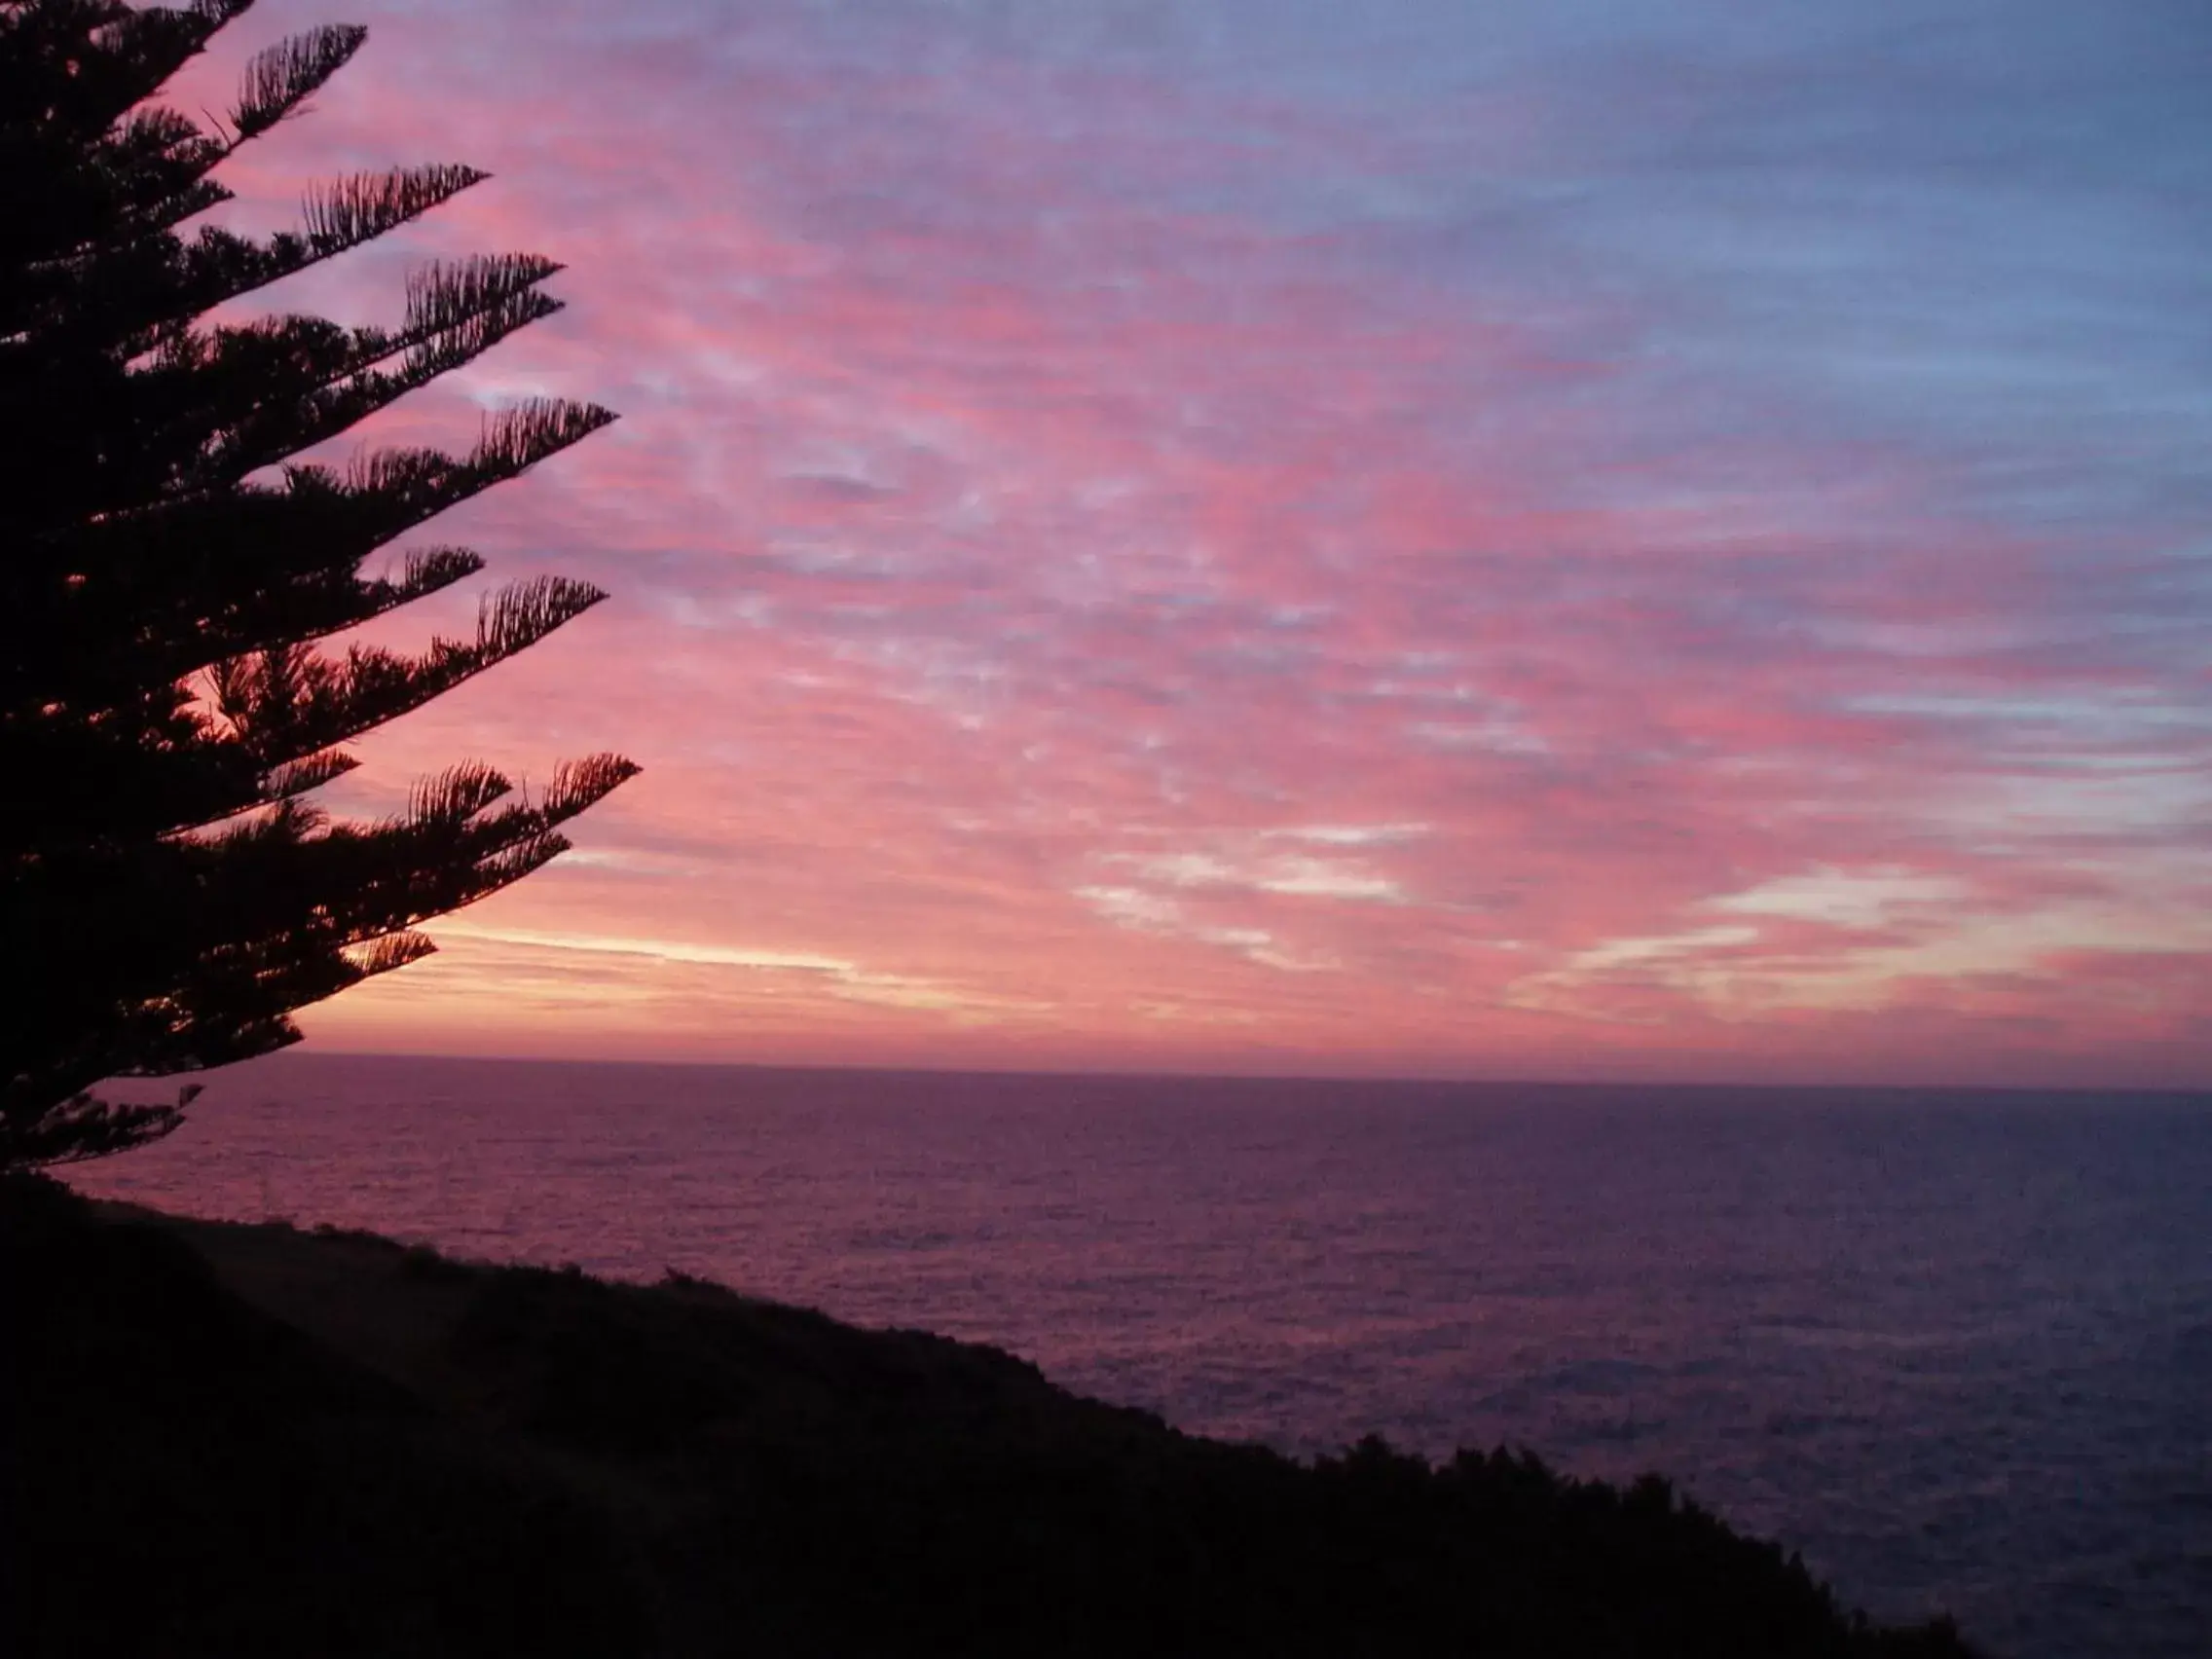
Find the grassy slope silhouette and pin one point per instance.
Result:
(231, 1439)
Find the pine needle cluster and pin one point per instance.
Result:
(171, 578)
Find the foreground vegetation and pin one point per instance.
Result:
(236, 1440)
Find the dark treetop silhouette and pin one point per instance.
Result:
(169, 896)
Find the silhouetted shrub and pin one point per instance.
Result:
(422, 1262)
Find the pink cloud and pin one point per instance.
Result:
(1023, 531)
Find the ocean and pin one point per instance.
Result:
(1954, 1347)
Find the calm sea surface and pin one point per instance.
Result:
(1956, 1347)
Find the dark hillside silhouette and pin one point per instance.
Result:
(165, 710)
(251, 1440)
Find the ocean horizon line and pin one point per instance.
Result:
(2182, 1092)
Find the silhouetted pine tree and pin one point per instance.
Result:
(169, 895)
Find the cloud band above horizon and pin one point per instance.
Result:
(1540, 539)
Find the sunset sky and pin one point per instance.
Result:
(1563, 539)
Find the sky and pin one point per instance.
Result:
(1522, 539)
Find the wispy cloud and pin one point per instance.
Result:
(1602, 538)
